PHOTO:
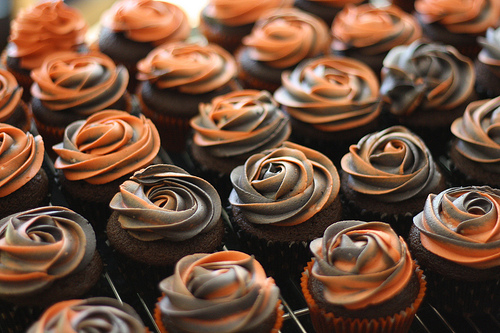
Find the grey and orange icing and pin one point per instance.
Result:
(490, 54)
(10, 95)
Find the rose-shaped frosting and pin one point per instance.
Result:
(147, 21)
(189, 68)
(459, 16)
(490, 54)
(478, 133)
(41, 245)
(427, 76)
(462, 224)
(330, 93)
(10, 95)
(225, 291)
(284, 186)
(21, 157)
(165, 202)
(82, 83)
(98, 314)
(354, 26)
(391, 165)
(108, 145)
(47, 27)
(361, 263)
(282, 38)
(240, 122)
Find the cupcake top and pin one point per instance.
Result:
(225, 291)
(108, 145)
(354, 26)
(490, 54)
(21, 157)
(240, 122)
(47, 27)
(478, 133)
(165, 202)
(462, 225)
(42, 245)
(97, 314)
(282, 38)
(361, 263)
(80, 83)
(426, 76)
(330, 93)
(147, 21)
(284, 186)
(188, 68)
(392, 165)
(10, 95)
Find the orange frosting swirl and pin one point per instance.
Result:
(284, 186)
(282, 38)
(354, 26)
(478, 133)
(189, 68)
(108, 145)
(330, 93)
(147, 21)
(41, 245)
(10, 95)
(44, 28)
(21, 157)
(223, 292)
(459, 16)
(462, 224)
(392, 165)
(80, 83)
(240, 122)
(490, 54)
(361, 263)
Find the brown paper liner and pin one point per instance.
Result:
(327, 322)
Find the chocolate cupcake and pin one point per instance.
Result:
(325, 9)
(487, 64)
(13, 110)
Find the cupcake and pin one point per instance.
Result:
(226, 291)
(362, 279)
(487, 64)
(69, 86)
(456, 240)
(176, 78)
(13, 110)
(131, 29)
(23, 182)
(387, 176)
(475, 151)
(354, 37)
(48, 255)
(325, 9)
(279, 41)
(282, 199)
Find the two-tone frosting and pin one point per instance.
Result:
(330, 93)
(187, 67)
(284, 37)
(284, 186)
(165, 202)
(225, 291)
(426, 76)
(80, 83)
(10, 95)
(392, 165)
(478, 133)
(21, 157)
(490, 54)
(44, 28)
(41, 245)
(462, 225)
(108, 145)
(361, 263)
(147, 21)
(240, 122)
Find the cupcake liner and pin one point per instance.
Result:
(487, 80)
(223, 37)
(22, 76)
(18, 318)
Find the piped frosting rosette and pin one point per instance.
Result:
(225, 291)
(10, 95)
(240, 122)
(490, 54)
(108, 145)
(330, 93)
(165, 202)
(392, 165)
(284, 186)
(42, 245)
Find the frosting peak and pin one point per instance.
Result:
(10, 94)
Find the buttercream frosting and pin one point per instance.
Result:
(490, 54)
(10, 95)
